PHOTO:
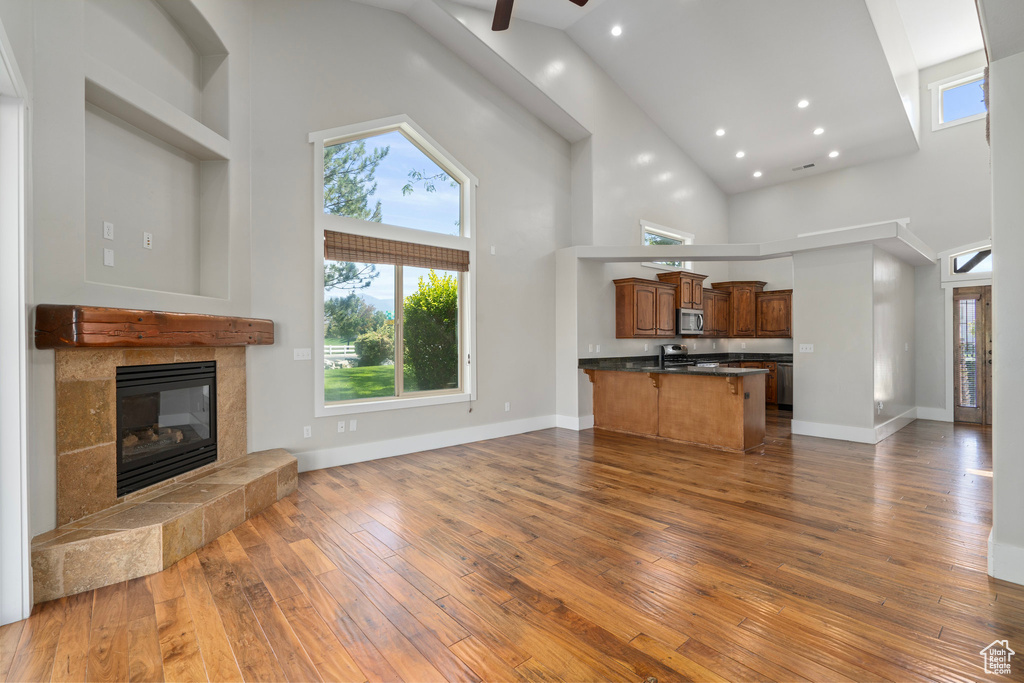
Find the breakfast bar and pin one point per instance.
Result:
(719, 407)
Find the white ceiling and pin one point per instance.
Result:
(742, 65)
(698, 65)
(940, 30)
(560, 14)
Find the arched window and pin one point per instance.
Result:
(393, 228)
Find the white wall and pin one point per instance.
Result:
(944, 189)
(59, 203)
(1006, 549)
(305, 80)
(893, 289)
(833, 309)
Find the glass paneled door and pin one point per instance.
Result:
(972, 355)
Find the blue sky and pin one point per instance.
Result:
(436, 211)
(963, 101)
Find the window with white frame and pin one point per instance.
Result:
(393, 310)
(977, 261)
(654, 235)
(959, 99)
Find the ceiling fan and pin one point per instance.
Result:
(503, 13)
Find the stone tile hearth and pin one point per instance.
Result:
(153, 531)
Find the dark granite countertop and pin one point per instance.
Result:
(647, 363)
(650, 364)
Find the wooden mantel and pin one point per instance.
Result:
(65, 327)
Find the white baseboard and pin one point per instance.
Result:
(831, 431)
(346, 455)
(575, 423)
(1005, 562)
(937, 414)
(887, 429)
(871, 435)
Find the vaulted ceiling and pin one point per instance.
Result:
(725, 77)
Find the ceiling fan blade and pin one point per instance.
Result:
(503, 15)
(581, 3)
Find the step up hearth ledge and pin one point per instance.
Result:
(147, 535)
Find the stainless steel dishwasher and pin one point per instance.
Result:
(785, 386)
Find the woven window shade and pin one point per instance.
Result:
(339, 246)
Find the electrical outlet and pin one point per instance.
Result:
(880, 407)
(303, 354)
(590, 348)
(493, 251)
(807, 348)
(743, 345)
(147, 240)
(906, 347)
(598, 348)
(645, 346)
(108, 230)
(351, 425)
(714, 345)
(108, 258)
(508, 406)
(307, 432)
(341, 426)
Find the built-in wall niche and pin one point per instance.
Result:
(157, 147)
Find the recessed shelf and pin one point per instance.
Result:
(133, 103)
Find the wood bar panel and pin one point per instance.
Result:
(65, 327)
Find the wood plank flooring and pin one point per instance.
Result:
(578, 557)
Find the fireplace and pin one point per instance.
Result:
(166, 422)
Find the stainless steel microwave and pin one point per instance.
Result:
(689, 321)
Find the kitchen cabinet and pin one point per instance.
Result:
(716, 313)
(771, 380)
(742, 306)
(689, 289)
(775, 313)
(644, 309)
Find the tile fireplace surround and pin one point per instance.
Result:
(86, 419)
(103, 539)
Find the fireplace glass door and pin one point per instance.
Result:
(166, 422)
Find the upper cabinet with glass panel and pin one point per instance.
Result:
(387, 178)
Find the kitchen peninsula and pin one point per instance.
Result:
(719, 407)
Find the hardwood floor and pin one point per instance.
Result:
(564, 556)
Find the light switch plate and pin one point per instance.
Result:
(807, 348)
(108, 230)
(108, 258)
(351, 425)
(303, 354)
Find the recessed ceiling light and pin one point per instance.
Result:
(819, 131)
(802, 104)
(720, 132)
(616, 30)
(757, 174)
(833, 154)
(740, 154)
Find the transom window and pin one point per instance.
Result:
(960, 99)
(652, 234)
(394, 321)
(975, 261)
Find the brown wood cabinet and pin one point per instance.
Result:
(716, 313)
(742, 306)
(644, 309)
(771, 380)
(775, 313)
(689, 288)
